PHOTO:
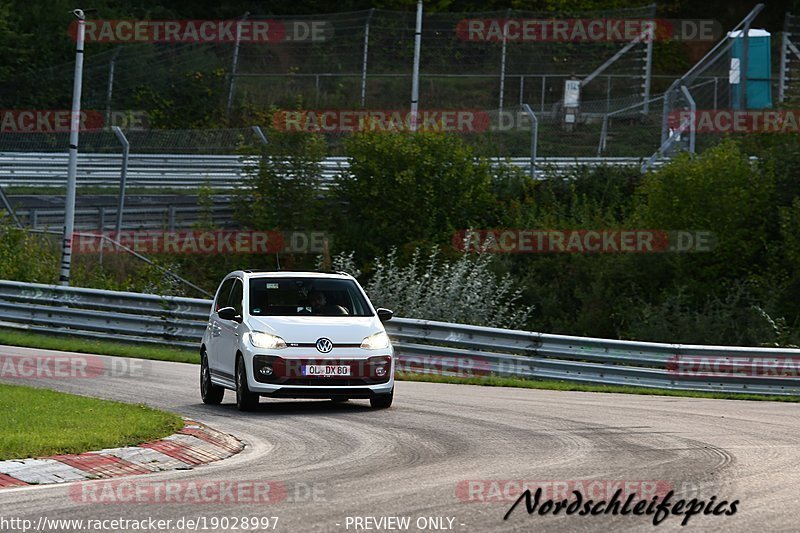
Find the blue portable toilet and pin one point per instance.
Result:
(759, 69)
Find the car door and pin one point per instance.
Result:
(215, 325)
(228, 340)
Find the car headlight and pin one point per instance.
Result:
(376, 342)
(265, 340)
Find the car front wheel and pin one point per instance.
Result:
(382, 401)
(245, 400)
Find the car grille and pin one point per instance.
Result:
(289, 371)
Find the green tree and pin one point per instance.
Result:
(409, 188)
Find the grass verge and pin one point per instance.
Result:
(70, 343)
(40, 422)
(182, 355)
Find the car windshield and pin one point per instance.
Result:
(306, 296)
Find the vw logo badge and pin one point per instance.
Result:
(324, 345)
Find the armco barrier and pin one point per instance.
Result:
(221, 172)
(422, 346)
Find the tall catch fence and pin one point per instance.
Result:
(485, 62)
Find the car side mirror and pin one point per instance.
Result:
(384, 314)
(229, 313)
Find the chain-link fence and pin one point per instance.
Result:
(482, 64)
(362, 60)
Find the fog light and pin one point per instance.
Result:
(266, 370)
(380, 371)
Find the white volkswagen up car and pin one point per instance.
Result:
(295, 335)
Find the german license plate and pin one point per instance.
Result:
(326, 370)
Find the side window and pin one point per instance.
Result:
(236, 296)
(224, 294)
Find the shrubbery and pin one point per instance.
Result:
(407, 194)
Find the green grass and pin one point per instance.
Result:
(69, 343)
(40, 422)
(496, 381)
(77, 344)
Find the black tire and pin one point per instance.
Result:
(245, 400)
(210, 393)
(382, 401)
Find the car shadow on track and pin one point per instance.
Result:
(294, 407)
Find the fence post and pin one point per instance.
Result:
(692, 123)
(521, 88)
(415, 73)
(235, 63)
(601, 146)
(72, 169)
(648, 68)
(110, 88)
(503, 59)
(7, 206)
(743, 65)
(534, 137)
(260, 134)
(364, 59)
(123, 176)
(784, 51)
(544, 87)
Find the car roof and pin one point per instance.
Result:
(293, 274)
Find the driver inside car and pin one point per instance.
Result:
(320, 306)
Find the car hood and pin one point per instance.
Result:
(307, 329)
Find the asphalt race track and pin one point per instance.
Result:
(335, 461)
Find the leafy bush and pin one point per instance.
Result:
(282, 191)
(736, 319)
(27, 256)
(719, 191)
(409, 188)
(465, 291)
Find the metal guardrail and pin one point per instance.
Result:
(221, 172)
(422, 346)
(169, 217)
